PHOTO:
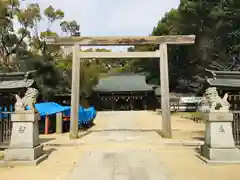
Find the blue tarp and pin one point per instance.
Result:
(86, 115)
(49, 108)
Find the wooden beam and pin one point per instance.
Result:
(120, 40)
(75, 94)
(89, 55)
(164, 83)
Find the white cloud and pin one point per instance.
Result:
(108, 17)
(138, 17)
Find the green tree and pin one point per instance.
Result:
(70, 28)
(90, 72)
(26, 49)
(216, 26)
(89, 75)
(42, 57)
(11, 42)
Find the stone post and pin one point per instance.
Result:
(219, 146)
(59, 123)
(24, 146)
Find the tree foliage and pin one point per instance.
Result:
(25, 49)
(216, 25)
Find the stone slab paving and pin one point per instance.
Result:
(120, 163)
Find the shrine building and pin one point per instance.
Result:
(124, 92)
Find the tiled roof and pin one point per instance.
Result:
(123, 82)
(16, 80)
(223, 78)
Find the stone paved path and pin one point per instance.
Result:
(111, 158)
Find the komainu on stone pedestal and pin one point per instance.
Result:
(219, 145)
(29, 100)
(25, 147)
(212, 102)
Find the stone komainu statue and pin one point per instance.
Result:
(29, 99)
(212, 102)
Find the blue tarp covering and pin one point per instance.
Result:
(86, 115)
(49, 108)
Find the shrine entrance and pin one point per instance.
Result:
(162, 41)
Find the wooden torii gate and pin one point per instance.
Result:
(162, 41)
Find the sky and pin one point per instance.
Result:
(111, 18)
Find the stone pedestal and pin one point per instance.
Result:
(24, 147)
(219, 146)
